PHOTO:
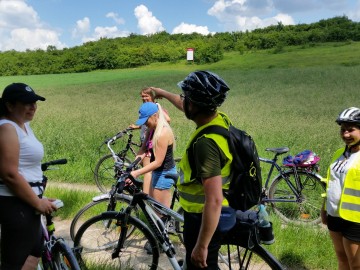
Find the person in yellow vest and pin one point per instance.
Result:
(341, 210)
(204, 174)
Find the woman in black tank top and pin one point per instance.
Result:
(161, 138)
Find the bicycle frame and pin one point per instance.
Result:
(296, 189)
(117, 156)
(149, 206)
(49, 241)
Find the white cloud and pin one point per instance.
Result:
(105, 32)
(147, 23)
(185, 28)
(25, 38)
(285, 19)
(115, 17)
(241, 15)
(83, 31)
(82, 27)
(21, 28)
(16, 14)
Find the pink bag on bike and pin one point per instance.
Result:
(305, 158)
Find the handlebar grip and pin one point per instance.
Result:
(118, 135)
(45, 165)
(121, 186)
(58, 161)
(121, 181)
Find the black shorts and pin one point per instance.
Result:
(350, 230)
(21, 232)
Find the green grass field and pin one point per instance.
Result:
(288, 98)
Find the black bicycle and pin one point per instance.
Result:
(104, 168)
(118, 239)
(295, 193)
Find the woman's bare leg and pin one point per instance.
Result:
(352, 250)
(30, 263)
(162, 195)
(337, 240)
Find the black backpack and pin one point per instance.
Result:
(245, 177)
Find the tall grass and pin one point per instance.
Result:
(294, 107)
(289, 99)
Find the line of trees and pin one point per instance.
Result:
(138, 50)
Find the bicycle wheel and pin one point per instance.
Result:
(95, 208)
(242, 258)
(104, 173)
(98, 237)
(61, 257)
(305, 209)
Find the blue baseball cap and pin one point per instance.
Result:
(146, 110)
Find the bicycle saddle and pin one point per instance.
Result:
(278, 150)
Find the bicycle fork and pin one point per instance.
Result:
(123, 224)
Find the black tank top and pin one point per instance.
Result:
(168, 162)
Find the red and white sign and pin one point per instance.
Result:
(190, 54)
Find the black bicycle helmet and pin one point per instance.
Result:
(204, 88)
(350, 115)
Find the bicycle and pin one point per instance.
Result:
(295, 193)
(115, 201)
(112, 201)
(117, 239)
(104, 168)
(56, 254)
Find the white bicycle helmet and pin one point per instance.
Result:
(350, 115)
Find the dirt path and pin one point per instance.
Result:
(62, 229)
(73, 186)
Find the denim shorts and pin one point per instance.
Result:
(159, 181)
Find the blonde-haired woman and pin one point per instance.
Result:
(147, 95)
(161, 136)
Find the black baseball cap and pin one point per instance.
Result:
(20, 92)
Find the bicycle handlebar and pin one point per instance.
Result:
(45, 165)
(118, 135)
(120, 185)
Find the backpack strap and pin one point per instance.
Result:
(214, 129)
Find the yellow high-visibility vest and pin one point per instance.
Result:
(349, 206)
(192, 196)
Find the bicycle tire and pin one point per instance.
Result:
(307, 209)
(94, 208)
(94, 244)
(104, 174)
(62, 258)
(256, 258)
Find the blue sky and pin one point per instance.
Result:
(36, 24)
